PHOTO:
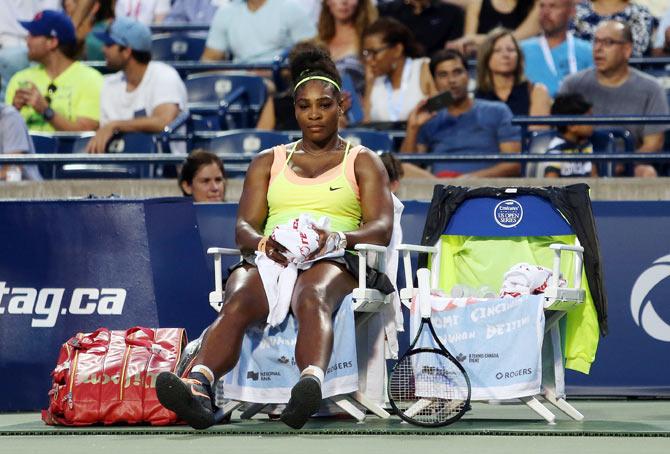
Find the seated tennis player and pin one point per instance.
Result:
(319, 175)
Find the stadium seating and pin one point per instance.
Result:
(374, 140)
(45, 143)
(177, 46)
(222, 100)
(610, 140)
(125, 143)
(243, 141)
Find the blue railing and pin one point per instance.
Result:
(243, 158)
(177, 28)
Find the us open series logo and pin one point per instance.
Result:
(508, 213)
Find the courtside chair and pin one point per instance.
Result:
(177, 46)
(222, 100)
(473, 236)
(612, 140)
(367, 305)
(374, 140)
(604, 141)
(538, 143)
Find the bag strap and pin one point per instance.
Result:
(90, 340)
(150, 344)
(146, 343)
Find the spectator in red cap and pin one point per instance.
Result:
(59, 93)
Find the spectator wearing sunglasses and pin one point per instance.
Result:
(59, 93)
(612, 86)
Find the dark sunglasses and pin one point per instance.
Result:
(51, 89)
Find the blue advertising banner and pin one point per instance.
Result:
(69, 266)
(635, 246)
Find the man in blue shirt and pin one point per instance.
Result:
(255, 31)
(466, 126)
(555, 53)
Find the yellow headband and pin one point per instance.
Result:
(323, 78)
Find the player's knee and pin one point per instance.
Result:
(311, 299)
(241, 307)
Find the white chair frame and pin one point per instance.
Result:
(366, 302)
(556, 299)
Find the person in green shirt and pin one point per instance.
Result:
(59, 93)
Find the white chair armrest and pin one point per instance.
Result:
(371, 247)
(216, 296)
(579, 253)
(369, 300)
(363, 250)
(223, 251)
(406, 250)
(417, 248)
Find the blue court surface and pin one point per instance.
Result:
(610, 426)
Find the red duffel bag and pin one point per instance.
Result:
(109, 377)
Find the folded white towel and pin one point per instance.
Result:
(527, 279)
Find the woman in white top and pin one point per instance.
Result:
(395, 78)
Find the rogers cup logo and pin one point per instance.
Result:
(508, 213)
(643, 312)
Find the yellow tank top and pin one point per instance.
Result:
(333, 194)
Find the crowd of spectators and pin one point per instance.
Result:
(392, 55)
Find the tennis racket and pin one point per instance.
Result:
(428, 386)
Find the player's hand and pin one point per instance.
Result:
(275, 251)
(328, 242)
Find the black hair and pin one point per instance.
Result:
(193, 163)
(569, 104)
(106, 10)
(445, 55)
(141, 56)
(70, 50)
(395, 32)
(393, 166)
(307, 60)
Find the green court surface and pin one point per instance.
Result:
(610, 426)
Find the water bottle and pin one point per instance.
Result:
(461, 291)
(486, 292)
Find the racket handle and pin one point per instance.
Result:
(423, 280)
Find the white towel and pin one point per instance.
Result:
(393, 319)
(300, 239)
(527, 279)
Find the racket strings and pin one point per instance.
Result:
(429, 388)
